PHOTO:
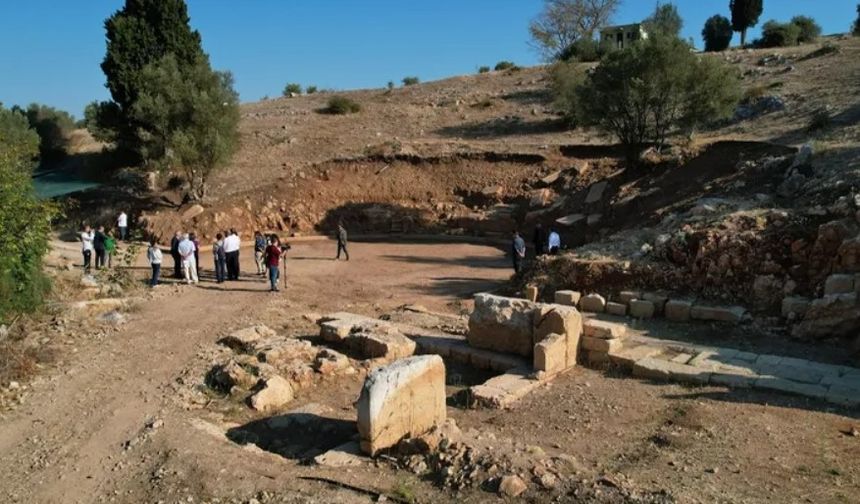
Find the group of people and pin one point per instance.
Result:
(101, 243)
(543, 244)
(185, 251)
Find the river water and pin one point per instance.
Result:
(57, 183)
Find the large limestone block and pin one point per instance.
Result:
(678, 310)
(593, 303)
(602, 345)
(641, 309)
(794, 306)
(839, 284)
(830, 316)
(403, 399)
(380, 341)
(603, 330)
(531, 293)
(732, 314)
(502, 324)
(567, 297)
(563, 320)
(619, 309)
(551, 354)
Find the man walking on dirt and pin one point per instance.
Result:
(342, 238)
(87, 238)
(122, 225)
(518, 248)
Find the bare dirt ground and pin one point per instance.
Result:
(120, 419)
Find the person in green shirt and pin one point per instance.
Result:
(110, 247)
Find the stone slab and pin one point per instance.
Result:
(839, 284)
(593, 303)
(567, 297)
(792, 387)
(345, 455)
(732, 380)
(846, 396)
(657, 369)
(678, 310)
(659, 299)
(728, 314)
(404, 398)
(563, 320)
(502, 324)
(594, 328)
(625, 297)
(627, 356)
(619, 309)
(602, 345)
(531, 293)
(551, 354)
(795, 306)
(504, 390)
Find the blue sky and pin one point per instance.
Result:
(50, 50)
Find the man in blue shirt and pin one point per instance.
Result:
(554, 242)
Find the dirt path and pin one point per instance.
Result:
(68, 443)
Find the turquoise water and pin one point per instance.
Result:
(58, 183)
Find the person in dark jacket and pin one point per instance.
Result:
(539, 240)
(220, 258)
(518, 250)
(174, 252)
(99, 245)
(342, 238)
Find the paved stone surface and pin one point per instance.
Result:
(732, 380)
(657, 369)
(792, 387)
(627, 356)
(503, 390)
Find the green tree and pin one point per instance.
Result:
(292, 89)
(24, 220)
(642, 93)
(809, 29)
(665, 20)
(717, 33)
(103, 120)
(562, 22)
(193, 117)
(856, 30)
(53, 127)
(141, 33)
(745, 14)
(776, 34)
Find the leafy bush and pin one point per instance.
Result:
(311, 90)
(292, 89)
(584, 50)
(483, 69)
(53, 127)
(506, 65)
(24, 220)
(390, 86)
(776, 34)
(717, 33)
(856, 30)
(410, 81)
(809, 29)
(820, 119)
(641, 93)
(341, 105)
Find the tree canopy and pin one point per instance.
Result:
(745, 14)
(666, 20)
(561, 23)
(717, 33)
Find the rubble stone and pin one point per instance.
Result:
(839, 284)
(328, 361)
(659, 300)
(795, 306)
(627, 296)
(403, 399)
(245, 339)
(593, 303)
(512, 486)
(830, 316)
(502, 324)
(274, 392)
(595, 193)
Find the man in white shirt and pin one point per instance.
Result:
(122, 225)
(87, 248)
(189, 263)
(232, 244)
(554, 242)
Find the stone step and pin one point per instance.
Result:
(504, 390)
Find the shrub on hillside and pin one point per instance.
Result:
(53, 127)
(717, 33)
(411, 81)
(390, 86)
(23, 217)
(584, 50)
(341, 105)
(311, 90)
(292, 89)
(809, 29)
(506, 65)
(776, 34)
(642, 93)
(483, 69)
(856, 30)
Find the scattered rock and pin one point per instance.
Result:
(273, 393)
(244, 340)
(512, 486)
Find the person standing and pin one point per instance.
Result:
(122, 225)
(99, 246)
(518, 249)
(273, 261)
(554, 243)
(110, 248)
(260, 252)
(87, 237)
(174, 252)
(539, 240)
(232, 244)
(189, 265)
(196, 242)
(153, 254)
(342, 238)
(220, 258)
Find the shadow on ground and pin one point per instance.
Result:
(296, 436)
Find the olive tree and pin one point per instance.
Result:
(561, 23)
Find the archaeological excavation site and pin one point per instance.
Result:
(461, 291)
